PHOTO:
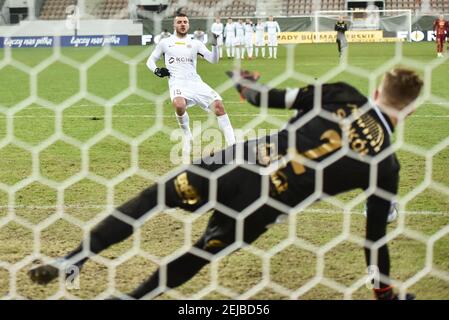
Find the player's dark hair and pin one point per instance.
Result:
(180, 15)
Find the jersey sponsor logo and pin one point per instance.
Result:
(180, 43)
(172, 60)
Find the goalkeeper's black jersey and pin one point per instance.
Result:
(347, 153)
(341, 27)
(325, 137)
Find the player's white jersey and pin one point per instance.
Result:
(249, 33)
(180, 56)
(239, 29)
(217, 28)
(260, 33)
(229, 30)
(272, 27)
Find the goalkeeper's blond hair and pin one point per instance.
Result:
(400, 87)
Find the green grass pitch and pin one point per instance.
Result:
(86, 117)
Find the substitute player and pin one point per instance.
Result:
(229, 32)
(239, 39)
(185, 85)
(249, 38)
(439, 27)
(272, 29)
(260, 38)
(217, 29)
(354, 131)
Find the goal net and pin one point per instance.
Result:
(365, 25)
(85, 126)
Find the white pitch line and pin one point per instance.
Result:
(326, 211)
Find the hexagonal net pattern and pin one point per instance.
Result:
(68, 158)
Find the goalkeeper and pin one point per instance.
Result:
(354, 130)
(341, 27)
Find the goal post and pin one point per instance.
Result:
(388, 23)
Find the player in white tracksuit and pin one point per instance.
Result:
(186, 86)
(218, 28)
(260, 37)
(239, 39)
(272, 29)
(229, 33)
(249, 35)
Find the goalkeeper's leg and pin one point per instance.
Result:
(113, 229)
(219, 235)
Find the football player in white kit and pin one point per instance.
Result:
(186, 86)
(272, 30)
(229, 32)
(249, 35)
(260, 37)
(217, 28)
(239, 39)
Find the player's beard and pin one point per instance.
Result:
(182, 32)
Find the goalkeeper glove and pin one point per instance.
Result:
(162, 72)
(245, 75)
(388, 294)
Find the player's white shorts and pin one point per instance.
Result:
(249, 40)
(195, 92)
(272, 40)
(239, 41)
(229, 42)
(260, 41)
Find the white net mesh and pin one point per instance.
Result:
(70, 152)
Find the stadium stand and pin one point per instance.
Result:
(117, 9)
(203, 8)
(55, 9)
(106, 9)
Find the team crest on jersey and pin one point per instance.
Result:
(189, 46)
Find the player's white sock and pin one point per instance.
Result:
(275, 52)
(228, 52)
(242, 50)
(263, 52)
(226, 127)
(257, 52)
(233, 52)
(220, 48)
(183, 122)
(270, 50)
(250, 52)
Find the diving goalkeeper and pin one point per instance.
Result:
(350, 128)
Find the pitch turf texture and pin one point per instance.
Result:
(291, 268)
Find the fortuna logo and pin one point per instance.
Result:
(180, 60)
